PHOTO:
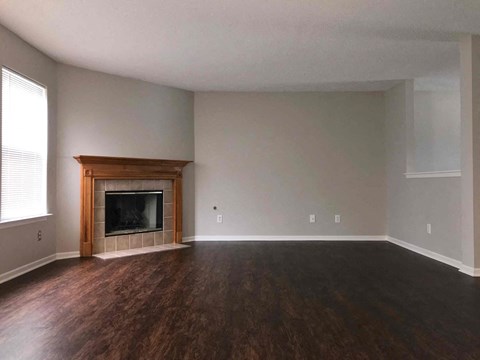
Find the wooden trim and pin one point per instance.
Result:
(108, 160)
(177, 207)
(118, 168)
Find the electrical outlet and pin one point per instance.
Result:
(39, 235)
(312, 218)
(337, 219)
(219, 219)
(429, 228)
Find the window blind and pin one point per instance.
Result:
(24, 129)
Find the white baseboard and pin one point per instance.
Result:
(285, 238)
(9, 275)
(26, 268)
(433, 255)
(68, 255)
(475, 272)
(422, 251)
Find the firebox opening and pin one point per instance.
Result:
(128, 212)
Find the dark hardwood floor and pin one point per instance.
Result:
(250, 300)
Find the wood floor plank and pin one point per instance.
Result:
(244, 300)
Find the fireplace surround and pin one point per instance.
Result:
(126, 239)
(100, 174)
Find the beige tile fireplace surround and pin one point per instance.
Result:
(99, 174)
(103, 244)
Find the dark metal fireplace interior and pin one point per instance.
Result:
(128, 212)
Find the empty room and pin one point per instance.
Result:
(240, 179)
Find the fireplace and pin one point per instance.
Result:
(102, 174)
(130, 212)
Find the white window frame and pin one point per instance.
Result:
(7, 223)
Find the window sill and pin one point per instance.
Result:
(433, 174)
(24, 221)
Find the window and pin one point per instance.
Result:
(24, 129)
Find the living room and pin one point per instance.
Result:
(329, 142)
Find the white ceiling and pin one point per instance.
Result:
(251, 45)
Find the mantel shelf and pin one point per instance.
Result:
(109, 160)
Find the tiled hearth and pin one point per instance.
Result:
(102, 244)
(139, 251)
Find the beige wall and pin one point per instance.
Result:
(19, 245)
(412, 203)
(470, 129)
(268, 160)
(100, 114)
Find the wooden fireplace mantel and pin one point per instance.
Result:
(120, 168)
